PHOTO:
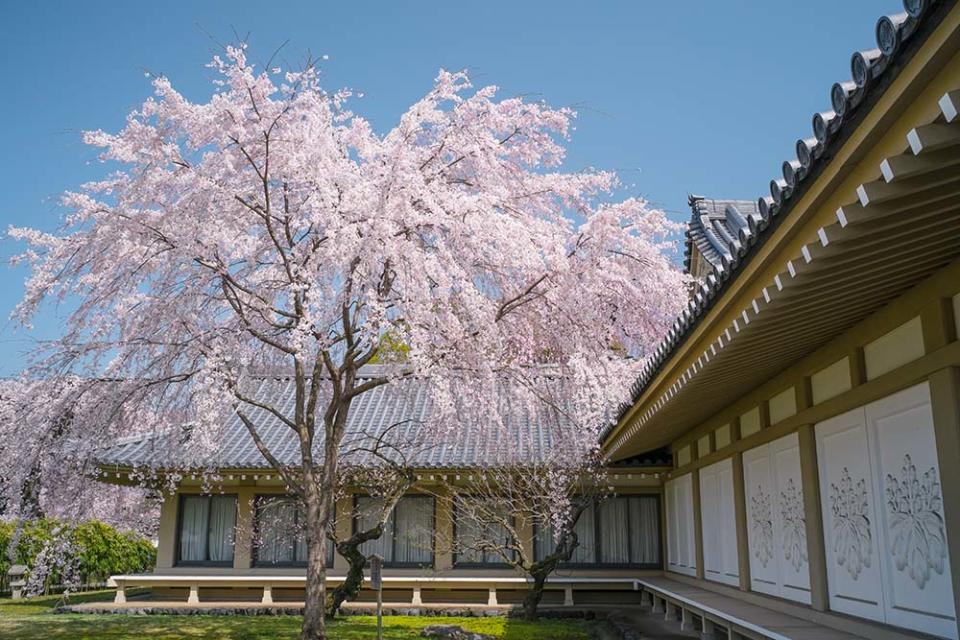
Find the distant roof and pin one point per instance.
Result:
(720, 230)
(396, 414)
(898, 36)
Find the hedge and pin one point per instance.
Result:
(100, 550)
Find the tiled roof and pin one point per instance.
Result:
(721, 230)
(530, 433)
(898, 36)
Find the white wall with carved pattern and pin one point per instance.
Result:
(776, 525)
(883, 514)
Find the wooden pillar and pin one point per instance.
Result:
(945, 405)
(939, 327)
(524, 527)
(740, 509)
(444, 535)
(697, 523)
(858, 367)
(816, 549)
(243, 534)
(167, 532)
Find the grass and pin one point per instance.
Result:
(34, 619)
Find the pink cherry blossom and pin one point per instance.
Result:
(270, 228)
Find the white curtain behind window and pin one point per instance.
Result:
(586, 530)
(615, 540)
(469, 532)
(368, 512)
(413, 522)
(468, 535)
(585, 553)
(499, 533)
(223, 520)
(645, 530)
(543, 544)
(193, 528)
(276, 521)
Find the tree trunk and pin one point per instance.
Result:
(532, 600)
(314, 625)
(349, 589)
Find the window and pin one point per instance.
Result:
(468, 532)
(407, 538)
(621, 531)
(206, 530)
(279, 539)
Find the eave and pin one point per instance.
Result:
(836, 271)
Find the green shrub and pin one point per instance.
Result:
(99, 550)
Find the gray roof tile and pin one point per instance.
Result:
(529, 433)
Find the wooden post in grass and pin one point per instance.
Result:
(376, 582)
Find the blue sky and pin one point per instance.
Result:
(692, 97)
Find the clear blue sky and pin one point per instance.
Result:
(702, 97)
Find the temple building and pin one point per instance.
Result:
(789, 465)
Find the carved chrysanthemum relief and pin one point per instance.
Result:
(915, 512)
(761, 522)
(852, 537)
(794, 532)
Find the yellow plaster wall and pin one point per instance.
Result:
(750, 422)
(783, 405)
(830, 381)
(894, 349)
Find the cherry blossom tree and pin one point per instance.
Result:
(272, 228)
(47, 462)
(497, 506)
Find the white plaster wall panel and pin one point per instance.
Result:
(685, 508)
(917, 586)
(849, 525)
(673, 545)
(709, 520)
(728, 545)
(790, 542)
(891, 350)
(718, 524)
(760, 526)
(681, 555)
(683, 456)
(883, 514)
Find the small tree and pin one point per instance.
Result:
(496, 506)
(388, 489)
(380, 464)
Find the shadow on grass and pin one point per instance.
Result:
(33, 619)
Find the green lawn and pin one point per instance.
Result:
(33, 619)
